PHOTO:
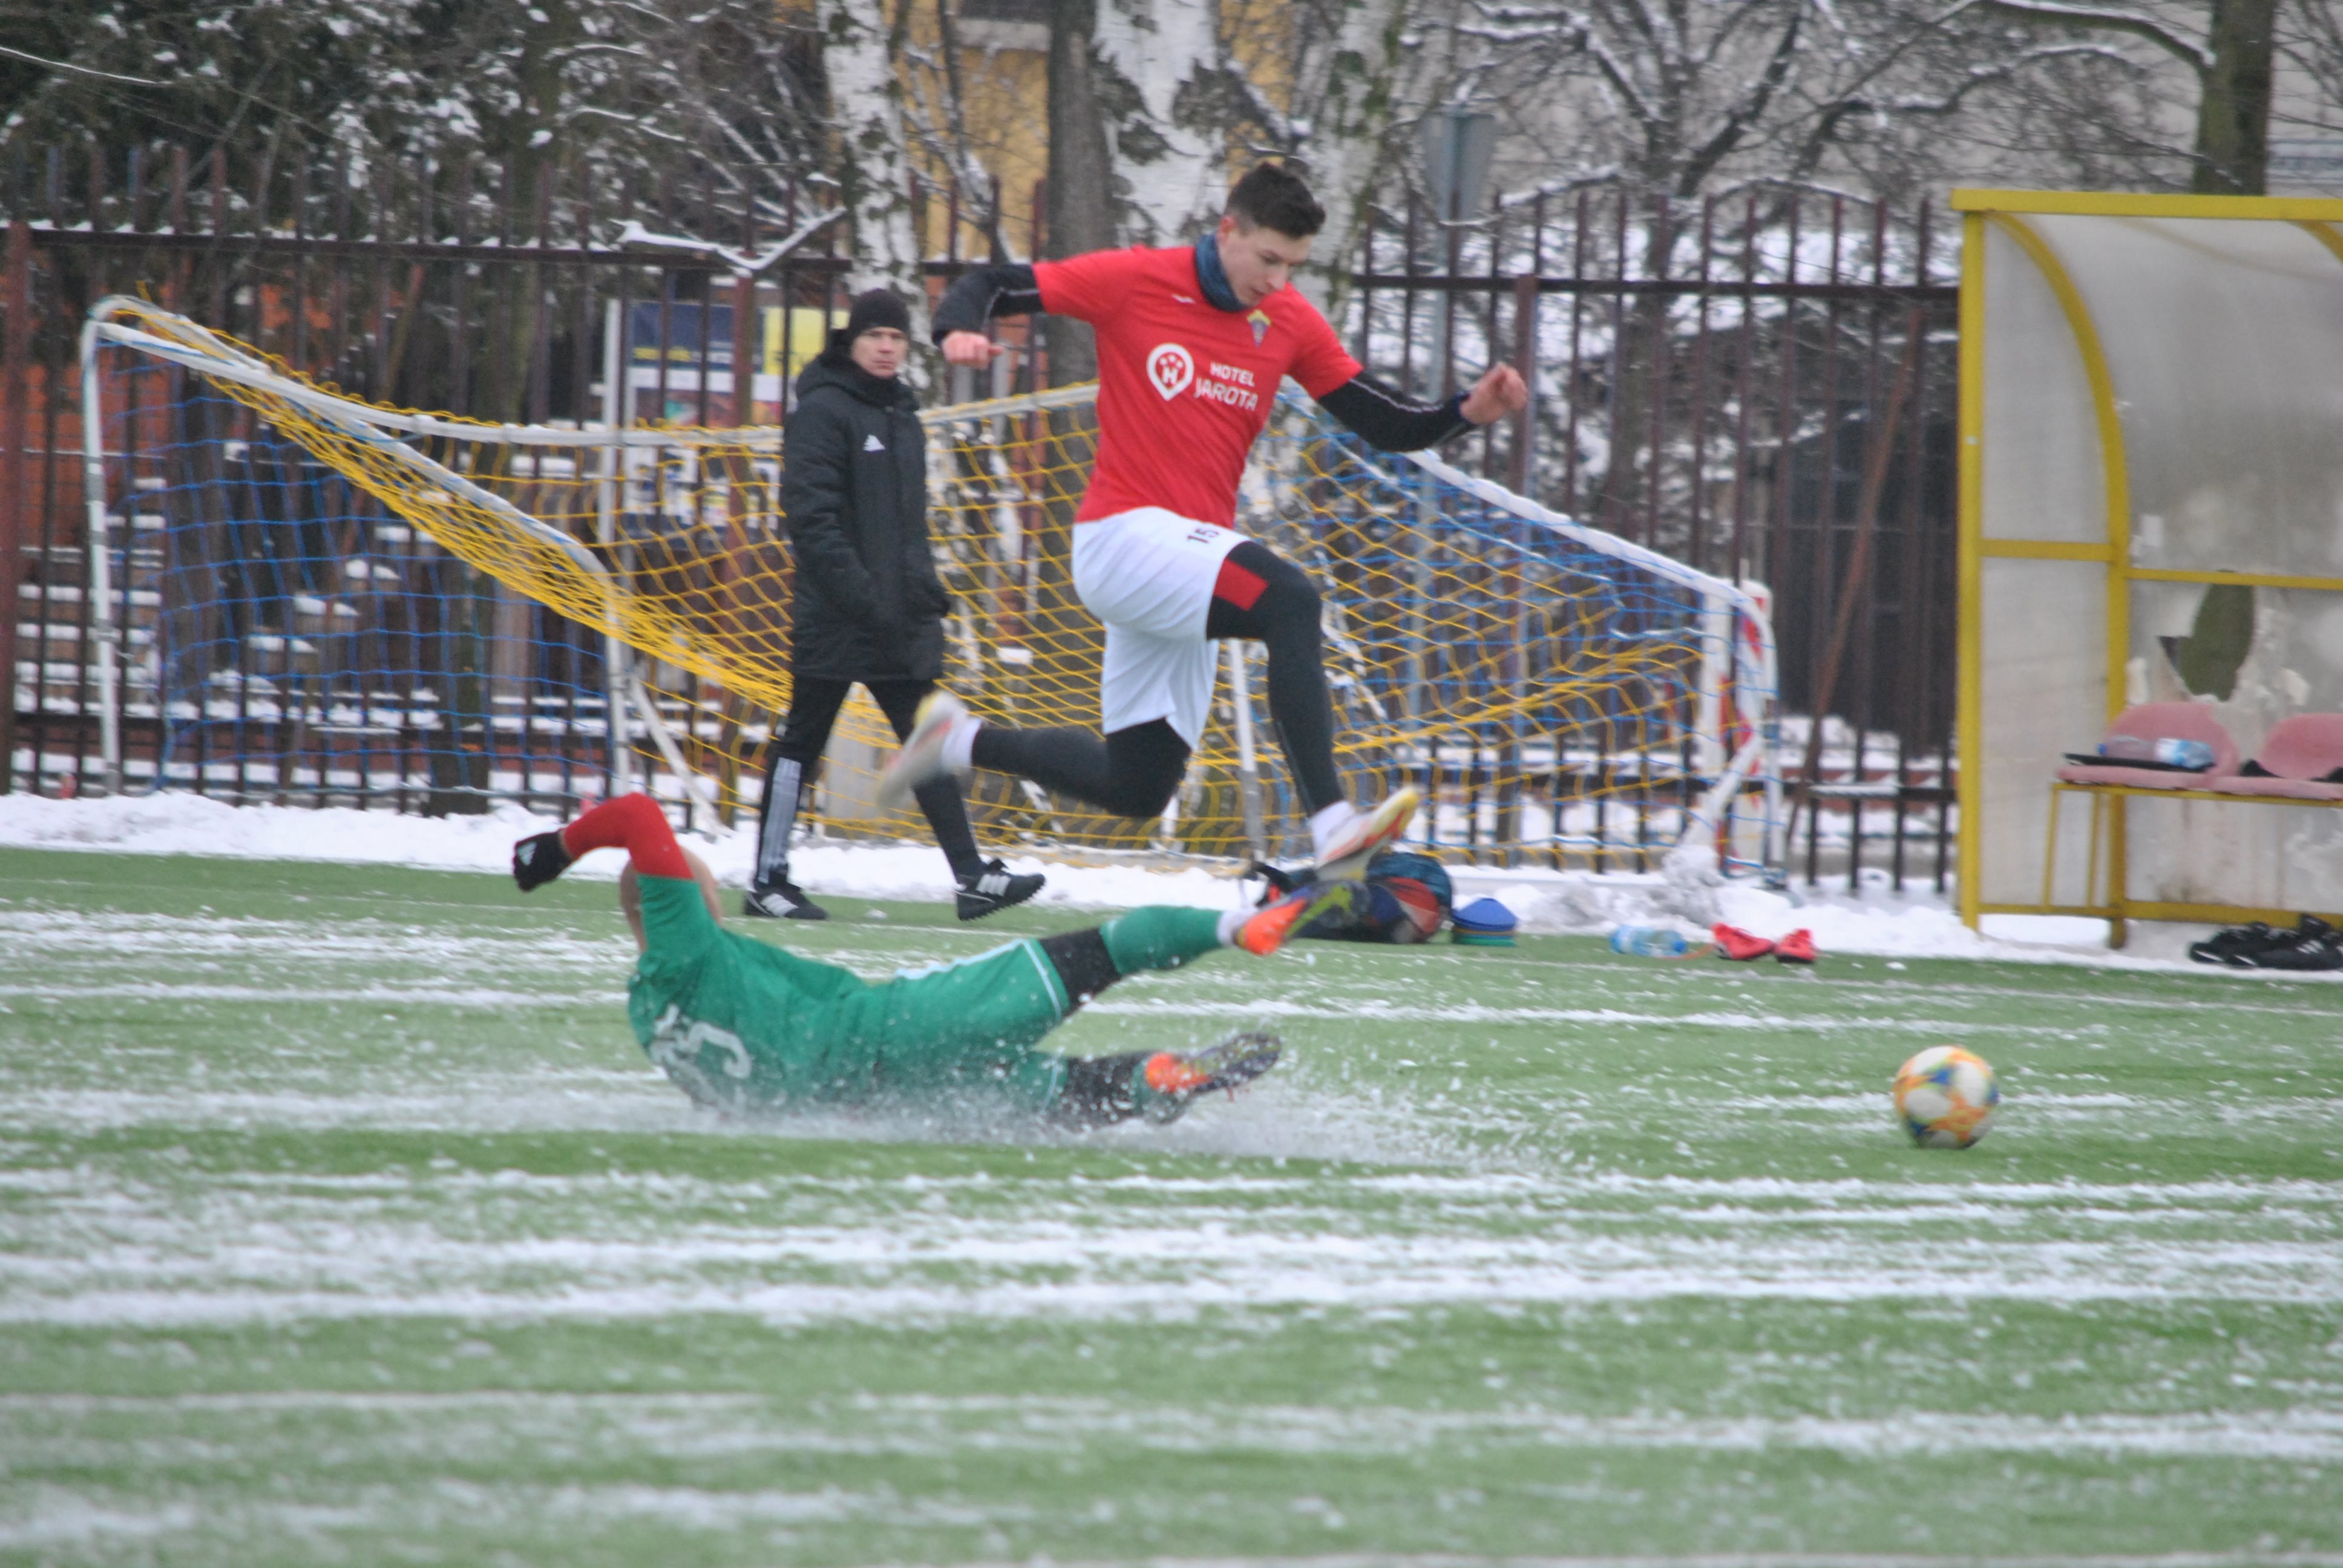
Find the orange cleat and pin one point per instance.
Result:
(1797, 948)
(1736, 945)
(1275, 926)
(1168, 1073)
(1172, 1080)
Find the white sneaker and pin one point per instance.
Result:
(1343, 852)
(923, 756)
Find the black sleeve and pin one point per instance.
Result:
(976, 297)
(1390, 421)
(817, 479)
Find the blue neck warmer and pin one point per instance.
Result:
(1213, 277)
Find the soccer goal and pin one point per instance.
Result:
(1565, 697)
(2152, 513)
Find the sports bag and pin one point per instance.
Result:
(1408, 897)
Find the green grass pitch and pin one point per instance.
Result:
(342, 1220)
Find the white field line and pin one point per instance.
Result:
(468, 998)
(1395, 1203)
(1258, 1007)
(1468, 1012)
(109, 940)
(2225, 1005)
(1273, 1121)
(1853, 1198)
(453, 1424)
(1061, 1267)
(1722, 1560)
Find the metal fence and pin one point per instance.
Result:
(442, 287)
(1761, 385)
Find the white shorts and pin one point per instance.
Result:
(1149, 575)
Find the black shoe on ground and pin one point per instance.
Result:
(782, 900)
(2230, 947)
(538, 859)
(995, 887)
(2315, 946)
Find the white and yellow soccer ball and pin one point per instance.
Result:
(1945, 1097)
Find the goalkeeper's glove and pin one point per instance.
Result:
(538, 859)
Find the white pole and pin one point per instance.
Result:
(606, 533)
(1708, 690)
(102, 628)
(1248, 765)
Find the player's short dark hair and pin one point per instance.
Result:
(1273, 197)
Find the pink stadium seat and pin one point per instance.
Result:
(2160, 722)
(2299, 754)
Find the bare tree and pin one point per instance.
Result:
(714, 97)
(2311, 50)
(1338, 66)
(2232, 70)
(1675, 100)
(1168, 146)
(1676, 97)
(862, 47)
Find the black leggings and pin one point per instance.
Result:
(1262, 597)
(1097, 1089)
(796, 752)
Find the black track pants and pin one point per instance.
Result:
(1132, 772)
(791, 761)
(1283, 616)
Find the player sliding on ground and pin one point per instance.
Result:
(742, 1025)
(1193, 342)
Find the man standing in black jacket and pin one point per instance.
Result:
(868, 607)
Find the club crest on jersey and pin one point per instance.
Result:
(1259, 321)
(1170, 370)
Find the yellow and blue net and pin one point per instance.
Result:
(332, 599)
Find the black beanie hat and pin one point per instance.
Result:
(878, 308)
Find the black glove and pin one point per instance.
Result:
(538, 859)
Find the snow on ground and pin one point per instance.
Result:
(1877, 920)
(182, 824)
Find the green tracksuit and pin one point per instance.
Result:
(744, 1025)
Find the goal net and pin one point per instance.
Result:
(621, 618)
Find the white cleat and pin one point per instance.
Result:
(1344, 857)
(923, 756)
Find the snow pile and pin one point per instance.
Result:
(182, 824)
(1912, 924)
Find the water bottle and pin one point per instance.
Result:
(2173, 752)
(1649, 942)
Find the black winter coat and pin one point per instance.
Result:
(854, 485)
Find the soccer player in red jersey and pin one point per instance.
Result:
(1193, 342)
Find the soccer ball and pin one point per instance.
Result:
(1945, 1097)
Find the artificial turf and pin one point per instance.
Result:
(341, 1218)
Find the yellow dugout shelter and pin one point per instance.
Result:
(2151, 446)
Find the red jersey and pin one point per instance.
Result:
(1183, 387)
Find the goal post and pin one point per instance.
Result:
(1567, 698)
(2151, 471)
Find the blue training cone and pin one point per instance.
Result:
(1484, 923)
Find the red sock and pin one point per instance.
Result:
(633, 823)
